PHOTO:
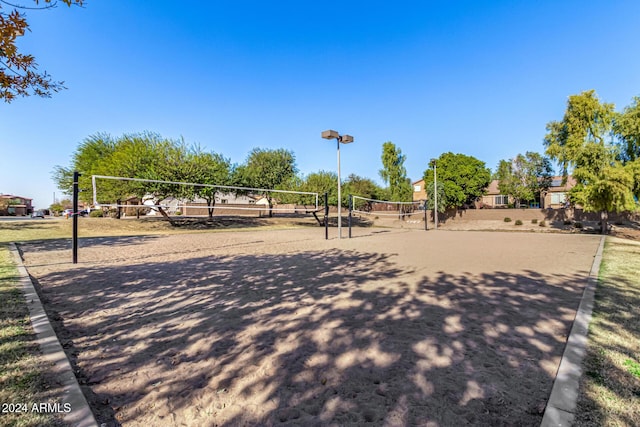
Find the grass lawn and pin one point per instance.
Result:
(610, 387)
(21, 381)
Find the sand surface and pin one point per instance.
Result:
(282, 327)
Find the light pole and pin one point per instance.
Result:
(345, 139)
(435, 194)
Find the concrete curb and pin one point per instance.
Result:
(52, 352)
(564, 394)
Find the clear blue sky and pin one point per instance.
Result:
(482, 78)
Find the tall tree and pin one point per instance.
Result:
(524, 177)
(267, 169)
(19, 74)
(626, 127)
(394, 173)
(465, 178)
(582, 143)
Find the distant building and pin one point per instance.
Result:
(419, 191)
(15, 205)
(493, 198)
(555, 197)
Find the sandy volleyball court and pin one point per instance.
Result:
(394, 327)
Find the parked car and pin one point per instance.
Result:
(69, 212)
(37, 214)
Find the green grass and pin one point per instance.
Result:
(21, 379)
(610, 387)
(632, 367)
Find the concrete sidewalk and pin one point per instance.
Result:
(52, 352)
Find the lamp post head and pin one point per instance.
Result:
(330, 134)
(346, 139)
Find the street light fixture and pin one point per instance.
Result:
(345, 139)
(435, 194)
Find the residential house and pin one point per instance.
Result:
(419, 191)
(15, 205)
(493, 198)
(555, 197)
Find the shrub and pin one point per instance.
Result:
(578, 225)
(534, 221)
(178, 213)
(98, 213)
(542, 223)
(518, 222)
(507, 219)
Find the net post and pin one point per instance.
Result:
(74, 239)
(425, 216)
(95, 190)
(326, 216)
(350, 209)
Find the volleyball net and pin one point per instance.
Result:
(388, 213)
(196, 199)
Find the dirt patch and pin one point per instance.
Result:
(282, 327)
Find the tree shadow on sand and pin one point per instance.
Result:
(86, 242)
(312, 338)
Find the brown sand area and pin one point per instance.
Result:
(282, 327)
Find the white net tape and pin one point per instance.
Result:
(300, 201)
(385, 208)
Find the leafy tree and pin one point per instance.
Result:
(465, 178)
(634, 169)
(524, 177)
(267, 169)
(581, 142)
(394, 173)
(607, 191)
(143, 156)
(363, 187)
(323, 182)
(158, 159)
(4, 204)
(90, 158)
(442, 202)
(207, 168)
(56, 208)
(18, 71)
(626, 127)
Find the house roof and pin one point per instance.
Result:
(12, 196)
(493, 188)
(556, 184)
(420, 181)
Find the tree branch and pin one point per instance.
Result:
(48, 6)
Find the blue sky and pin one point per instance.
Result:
(482, 78)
